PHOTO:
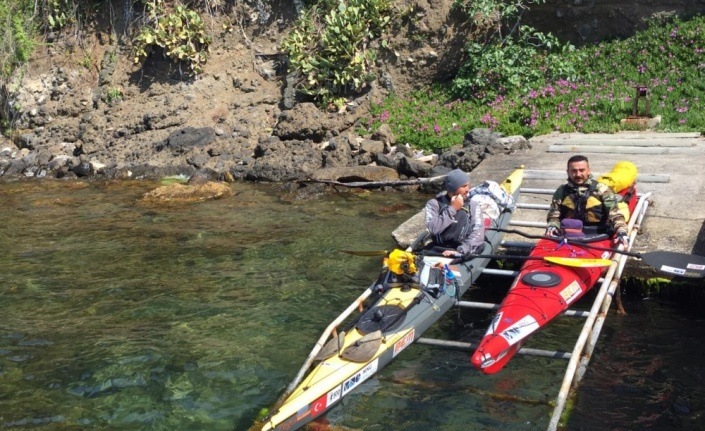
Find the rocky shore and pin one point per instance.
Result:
(82, 108)
(305, 144)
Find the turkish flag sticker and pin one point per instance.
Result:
(319, 406)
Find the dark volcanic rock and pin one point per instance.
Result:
(184, 139)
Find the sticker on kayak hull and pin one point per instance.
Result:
(520, 330)
(321, 404)
(302, 413)
(315, 409)
(695, 266)
(403, 343)
(571, 292)
(359, 377)
(495, 323)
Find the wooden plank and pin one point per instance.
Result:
(533, 206)
(623, 135)
(659, 143)
(540, 224)
(537, 191)
(561, 175)
(617, 149)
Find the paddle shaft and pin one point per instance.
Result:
(568, 240)
(680, 264)
(565, 261)
(504, 256)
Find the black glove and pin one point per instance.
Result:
(623, 240)
(552, 231)
(478, 250)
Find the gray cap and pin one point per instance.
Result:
(455, 179)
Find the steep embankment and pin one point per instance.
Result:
(82, 107)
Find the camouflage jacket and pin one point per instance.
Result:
(593, 203)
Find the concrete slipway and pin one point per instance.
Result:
(671, 166)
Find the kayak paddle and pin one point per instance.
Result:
(578, 262)
(565, 261)
(671, 262)
(366, 252)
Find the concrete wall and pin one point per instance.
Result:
(588, 21)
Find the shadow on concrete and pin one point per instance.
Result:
(699, 247)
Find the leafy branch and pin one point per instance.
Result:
(329, 47)
(181, 34)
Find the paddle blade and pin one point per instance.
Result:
(578, 262)
(681, 264)
(366, 253)
(364, 349)
(332, 347)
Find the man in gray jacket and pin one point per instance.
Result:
(454, 220)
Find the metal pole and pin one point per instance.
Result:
(557, 354)
(536, 191)
(502, 272)
(518, 244)
(634, 227)
(490, 306)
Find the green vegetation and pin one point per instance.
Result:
(177, 30)
(504, 56)
(60, 13)
(584, 90)
(180, 33)
(515, 80)
(17, 34)
(330, 47)
(113, 95)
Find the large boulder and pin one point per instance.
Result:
(180, 193)
(187, 138)
(356, 174)
(277, 161)
(306, 122)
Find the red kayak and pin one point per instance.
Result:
(541, 291)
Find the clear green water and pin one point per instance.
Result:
(117, 315)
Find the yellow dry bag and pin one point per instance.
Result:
(401, 262)
(622, 176)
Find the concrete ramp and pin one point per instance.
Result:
(676, 178)
(626, 143)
